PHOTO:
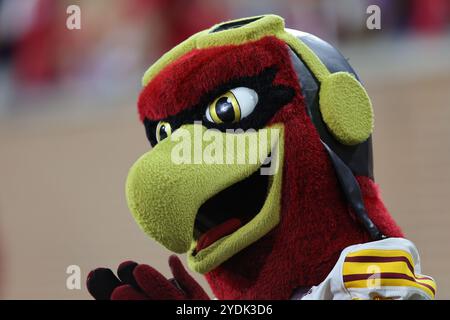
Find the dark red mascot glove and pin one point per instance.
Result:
(142, 282)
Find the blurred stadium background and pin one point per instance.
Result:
(69, 129)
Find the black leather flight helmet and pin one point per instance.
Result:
(348, 160)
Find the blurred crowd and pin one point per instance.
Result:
(118, 39)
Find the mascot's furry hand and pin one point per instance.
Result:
(142, 282)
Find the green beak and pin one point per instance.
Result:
(166, 187)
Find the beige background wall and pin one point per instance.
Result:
(62, 184)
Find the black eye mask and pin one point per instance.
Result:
(271, 98)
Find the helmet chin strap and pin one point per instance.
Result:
(355, 159)
(352, 192)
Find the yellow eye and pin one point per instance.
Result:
(163, 130)
(232, 106)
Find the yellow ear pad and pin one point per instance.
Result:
(346, 108)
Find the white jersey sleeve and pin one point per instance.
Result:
(384, 269)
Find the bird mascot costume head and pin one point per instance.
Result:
(257, 229)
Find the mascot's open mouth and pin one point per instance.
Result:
(236, 217)
(230, 209)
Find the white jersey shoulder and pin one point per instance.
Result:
(384, 269)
